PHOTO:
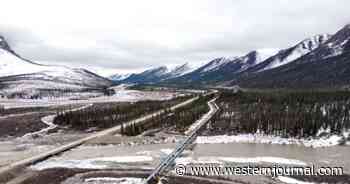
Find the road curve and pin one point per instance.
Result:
(48, 120)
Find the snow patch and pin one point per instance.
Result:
(167, 151)
(255, 160)
(299, 50)
(119, 77)
(266, 53)
(326, 141)
(214, 65)
(181, 70)
(278, 160)
(95, 163)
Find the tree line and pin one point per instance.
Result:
(286, 114)
(177, 120)
(105, 115)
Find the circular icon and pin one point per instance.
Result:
(180, 169)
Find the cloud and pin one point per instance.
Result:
(114, 36)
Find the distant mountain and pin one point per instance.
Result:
(288, 55)
(180, 71)
(149, 76)
(220, 69)
(157, 74)
(19, 76)
(326, 66)
(119, 77)
(316, 62)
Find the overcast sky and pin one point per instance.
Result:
(128, 36)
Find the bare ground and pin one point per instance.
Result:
(20, 125)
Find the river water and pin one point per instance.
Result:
(338, 156)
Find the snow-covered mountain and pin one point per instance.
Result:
(335, 46)
(321, 60)
(180, 70)
(326, 65)
(220, 69)
(158, 74)
(288, 55)
(148, 76)
(27, 78)
(119, 77)
(214, 64)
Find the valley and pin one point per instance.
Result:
(211, 99)
(132, 150)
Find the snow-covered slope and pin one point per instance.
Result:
(223, 68)
(158, 74)
(119, 77)
(326, 66)
(335, 46)
(21, 76)
(288, 55)
(180, 70)
(215, 64)
(251, 59)
(149, 76)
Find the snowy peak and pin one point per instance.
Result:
(317, 62)
(338, 43)
(119, 77)
(214, 64)
(223, 68)
(291, 54)
(159, 71)
(313, 42)
(180, 70)
(149, 76)
(249, 60)
(306, 46)
(157, 74)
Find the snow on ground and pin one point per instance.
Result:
(94, 163)
(278, 160)
(161, 153)
(121, 95)
(289, 180)
(167, 151)
(125, 180)
(9, 65)
(48, 120)
(325, 141)
(251, 160)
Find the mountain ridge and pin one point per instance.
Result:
(325, 66)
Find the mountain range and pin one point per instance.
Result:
(320, 61)
(326, 66)
(158, 74)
